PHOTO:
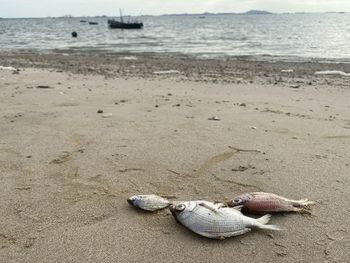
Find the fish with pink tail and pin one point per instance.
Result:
(261, 203)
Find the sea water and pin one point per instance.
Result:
(284, 36)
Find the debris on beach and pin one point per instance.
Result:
(215, 220)
(107, 115)
(261, 203)
(128, 58)
(62, 158)
(332, 72)
(43, 87)
(214, 118)
(99, 111)
(287, 70)
(296, 86)
(171, 71)
(239, 80)
(8, 68)
(149, 202)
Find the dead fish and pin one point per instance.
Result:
(215, 220)
(148, 202)
(261, 203)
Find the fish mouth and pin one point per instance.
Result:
(130, 201)
(173, 210)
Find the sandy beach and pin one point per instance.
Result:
(66, 170)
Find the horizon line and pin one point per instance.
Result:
(190, 14)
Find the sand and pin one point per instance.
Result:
(66, 170)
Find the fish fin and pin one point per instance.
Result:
(156, 208)
(224, 235)
(236, 233)
(262, 223)
(269, 227)
(209, 207)
(169, 196)
(301, 200)
(303, 203)
(239, 207)
(264, 219)
(219, 204)
(303, 210)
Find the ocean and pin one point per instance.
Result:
(320, 37)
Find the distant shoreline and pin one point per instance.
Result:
(250, 12)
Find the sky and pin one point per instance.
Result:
(43, 8)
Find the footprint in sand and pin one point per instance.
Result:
(6, 241)
(337, 235)
(338, 251)
(62, 158)
(338, 137)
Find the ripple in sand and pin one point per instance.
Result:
(338, 251)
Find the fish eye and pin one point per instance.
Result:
(237, 201)
(180, 207)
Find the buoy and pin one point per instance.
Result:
(74, 34)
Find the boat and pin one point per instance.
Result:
(124, 25)
(129, 25)
(93, 23)
(82, 21)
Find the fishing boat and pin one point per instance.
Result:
(124, 25)
(129, 25)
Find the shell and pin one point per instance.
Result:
(261, 203)
(149, 202)
(215, 220)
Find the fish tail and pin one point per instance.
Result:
(305, 203)
(270, 227)
(264, 219)
(262, 223)
(303, 210)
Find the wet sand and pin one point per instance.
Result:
(66, 170)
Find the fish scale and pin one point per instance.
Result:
(214, 221)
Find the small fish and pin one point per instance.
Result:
(261, 203)
(215, 220)
(148, 202)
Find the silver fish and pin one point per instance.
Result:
(215, 220)
(149, 202)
